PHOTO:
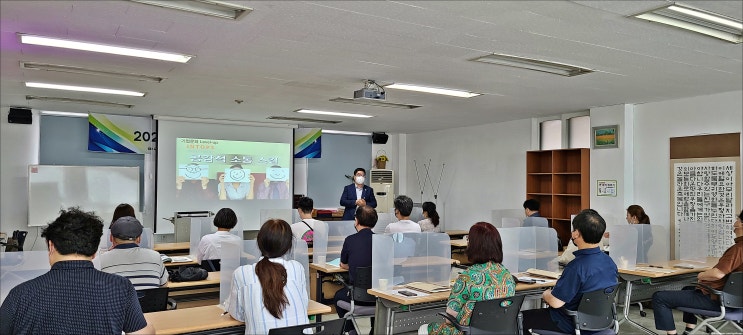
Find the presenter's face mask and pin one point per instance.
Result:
(359, 179)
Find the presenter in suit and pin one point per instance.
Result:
(357, 194)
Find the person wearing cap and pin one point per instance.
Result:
(142, 266)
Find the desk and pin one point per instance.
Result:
(396, 313)
(170, 248)
(212, 280)
(323, 270)
(174, 264)
(454, 234)
(674, 280)
(207, 318)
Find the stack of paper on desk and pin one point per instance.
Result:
(427, 287)
(543, 273)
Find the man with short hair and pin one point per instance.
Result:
(73, 297)
(403, 208)
(357, 194)
(356, 253)
(142, 266)
(531, 208)
(591, 270)
(305, 228)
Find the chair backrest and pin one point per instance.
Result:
(362, 283)
(732, 294)
(597, 310)
(153, 299)
(497, 316)
(327, 327)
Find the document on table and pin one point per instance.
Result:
(335, 262)
(181, 259)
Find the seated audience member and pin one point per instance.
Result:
(122, 210)
(716, 277)
(305, 229)
(272, 189)
(235, 190)
(486, 279)
(567, 256)
(403, 208)
(210, 246)
(591, 270)
(636, 215)
(430, 223)
(73, 297)
(142, 266)
(273, 292)
(356, 253)
(531, 208)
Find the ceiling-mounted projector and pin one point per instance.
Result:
(370, 91)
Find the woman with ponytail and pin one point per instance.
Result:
(430, 223)
(273, 292)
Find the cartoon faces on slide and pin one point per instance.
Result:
(277, 174)
(193, 171)
(236, 174)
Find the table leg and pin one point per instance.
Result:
(627, 299)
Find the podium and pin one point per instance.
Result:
(182, 223)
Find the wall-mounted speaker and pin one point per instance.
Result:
(19, 115)
(379, 138)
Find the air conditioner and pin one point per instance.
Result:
(382, 181)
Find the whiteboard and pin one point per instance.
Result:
(92, 188)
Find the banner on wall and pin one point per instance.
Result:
(307, 143)
(120, 134)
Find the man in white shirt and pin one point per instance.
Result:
(142, 266)
(210, 246)
(305, 229)
(403, 208)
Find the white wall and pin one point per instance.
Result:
(608, 164)
(485, 169)
(19, 147)
(656, 123)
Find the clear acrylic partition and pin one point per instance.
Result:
(383, 219)
(239, 253)
(337, 233)
(534, 222)
(693, 243)
(499, 214)
(417, 213)
(199, 228)
(148, 239)
(656, 237)
(510, 222)
(411, 257)
(283, 214)
(319, 242)
(624, 246)
(20, 266)
(295, 217)
(537, 248)
(510, 238)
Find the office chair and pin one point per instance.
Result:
(362, 283)
(731, 306)
(597, 312)
(497, 316)
(331, 327)
(155, 300)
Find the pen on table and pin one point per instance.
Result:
(223, 314)
(655, 266)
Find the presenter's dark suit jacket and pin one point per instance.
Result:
(348, 199)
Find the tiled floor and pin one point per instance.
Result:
(624, 327)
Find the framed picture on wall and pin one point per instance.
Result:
(605, 137)
(606, 188)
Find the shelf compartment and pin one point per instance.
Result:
(570, 160)
(539, 183)
(567, 184)
(538, 161)
(565, 206)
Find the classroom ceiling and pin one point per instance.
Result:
(289, 55)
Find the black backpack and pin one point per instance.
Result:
(187, 273)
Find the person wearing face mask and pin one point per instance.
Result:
(690, 296)
(357, 194)
(357, 252)
(591, 270)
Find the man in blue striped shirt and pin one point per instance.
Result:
(142, 266)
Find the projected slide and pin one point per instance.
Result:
(209, 169)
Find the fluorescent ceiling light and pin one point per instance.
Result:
(81, 70)
(84, 89)
(219, 9)
(373, 102)
(433, 90)
(533, 64)
(697, 20)
(109, 49)
(302, 119)
(343, 132)
(79, 101)
(309, 111)
(70, 114)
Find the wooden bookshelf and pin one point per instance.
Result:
(560, 181)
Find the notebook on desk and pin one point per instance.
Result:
(427, 287)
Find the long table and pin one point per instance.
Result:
(396, 313)
(170, 248)
(659, 276)
(208, 318)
